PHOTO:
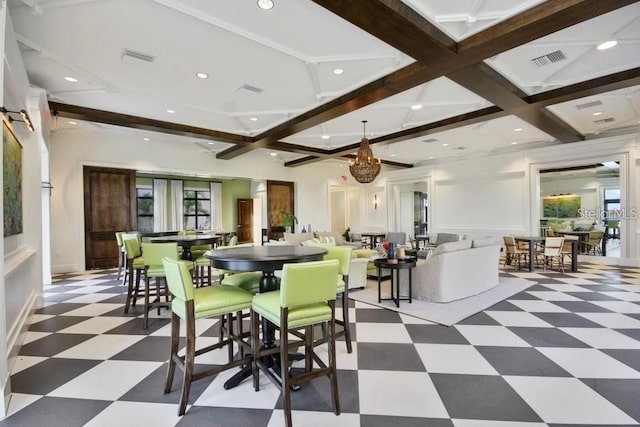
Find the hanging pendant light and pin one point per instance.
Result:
(365, 168)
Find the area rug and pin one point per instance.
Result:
(448, 313)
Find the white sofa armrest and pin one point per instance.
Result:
(358, 273)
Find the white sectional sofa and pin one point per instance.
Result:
(455, 270)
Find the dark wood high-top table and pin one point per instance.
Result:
(267, 259)
(186, 242)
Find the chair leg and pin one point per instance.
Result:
(333, 364)
(255, 349)
(127, 303)
(175, 340)
(146, 303)
(284, 368)
(120, 266)
(189, 358)
(345, 318)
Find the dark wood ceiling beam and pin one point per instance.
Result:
(492, 86)
(611, 82)
(550, 16)
(538, 21)
(398, 25)
(311, 159)
(143, 123)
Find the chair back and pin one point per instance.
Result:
(553, 246)
(119, 238)
(446, 238)
(308, 283)
(595, 237)
(343, 255)
(132, 248)
(178, 279)
(233, 241)
(131, 235)
(510, 244)
(187, 233)
(397, 237)
(154, 252)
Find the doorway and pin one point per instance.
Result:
(109, 206)
(245, 220)
(596, 192)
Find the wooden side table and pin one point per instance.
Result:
(402, 264)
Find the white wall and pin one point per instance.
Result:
(499, 194)
(71, 150)
(21, 266)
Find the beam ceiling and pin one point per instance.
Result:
(437, 55)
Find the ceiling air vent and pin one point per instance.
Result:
(249, 90)
(549, 58)
(588, 105)
(133, 57)
(430, 140)
(607, 120)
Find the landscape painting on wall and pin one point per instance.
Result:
(562, 206)
(12, 181)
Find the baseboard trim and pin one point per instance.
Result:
(16, 334)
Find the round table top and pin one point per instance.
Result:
(191, 239)
(263, 258)
(409, 262)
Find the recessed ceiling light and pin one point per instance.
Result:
(517, 130)
(607, 44)
(597, 113)
(202, 75)
(430, 157)
(71, 79)
(146, 139)
(514, 142)
(273, 154)
(416, 106)
(265, 4)
(393, 155)
(253, 119)
(338, 71)
(210, 143)
(325, 136)
(171, 111)
(445, 144)
(71, 122)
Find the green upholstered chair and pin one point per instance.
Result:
(188, 304)
(306, 298)
(134, 269)
(153, 254)
(343, 255)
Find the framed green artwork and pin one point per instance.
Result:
(12, 181)
(562, 206)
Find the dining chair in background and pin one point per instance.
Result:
(134, 269)
(513, 252)
(306, 298)
(343, 255)
(189, 304)
(154, 254)
(553, 251)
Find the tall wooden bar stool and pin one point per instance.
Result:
(191, 303)
(306, 298)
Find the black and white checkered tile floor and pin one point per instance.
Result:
(564, 352)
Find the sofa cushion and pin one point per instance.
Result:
(337, 237)
(487, 241)
(296, 239)
(323, 243)
(452, 247)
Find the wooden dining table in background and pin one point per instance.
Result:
(186, 242)
(533, 240)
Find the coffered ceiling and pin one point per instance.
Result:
(435, 79)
